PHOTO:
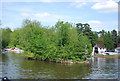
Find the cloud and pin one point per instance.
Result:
(106, 6)
(25, 14)
(94, 22)
(78, 4)
(28, 1)
(43, 17)
(47, 0)
(97, 25)
(55, 0)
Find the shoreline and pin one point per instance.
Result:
(65, 61)
(50, 60)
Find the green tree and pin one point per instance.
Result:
(118, 37)
(100, 41)
(108, 42)
(60, 42)
(102, 33)
(114, 37)
(63, 29)
(94, 38)
(86, 30)
(14, 38)
(5, 37)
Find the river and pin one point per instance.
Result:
(15, 66)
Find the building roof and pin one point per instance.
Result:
(100, 45)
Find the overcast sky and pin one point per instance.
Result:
(99, 14)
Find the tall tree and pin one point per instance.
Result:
(102, 33)
(94, 38)
(86, 30)
(5, 37)
(63, 29)
(61, 42)
(100, 41)
(118, 37)
(114, 37)
(108, 42)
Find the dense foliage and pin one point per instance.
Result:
(5, 37)
(63, 41)
(109, 39)
(60, 42)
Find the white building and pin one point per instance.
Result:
(98, 49)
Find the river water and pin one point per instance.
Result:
(15, 66)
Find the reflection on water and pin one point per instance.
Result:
(16, 67)
(104, 68)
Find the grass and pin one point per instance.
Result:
(108, 55)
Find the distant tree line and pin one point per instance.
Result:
(63, 41)
(110, 39)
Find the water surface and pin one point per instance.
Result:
(15, 66)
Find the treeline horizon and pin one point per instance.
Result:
(63, 41)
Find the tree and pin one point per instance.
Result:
(102, 33)
(114, 37)
(108, 42)
(0, 40)
(94, 38)
(100, 41)
(63, 29)
(86, 30)
(60, 42)
(5, 37)
(118, 37)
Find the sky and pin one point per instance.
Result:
(99, 14)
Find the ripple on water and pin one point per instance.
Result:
(43, 72)
(27, 70)
(101, 68)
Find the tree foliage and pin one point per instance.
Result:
(60, 42)
(5, 35)
(63, 41)
(86, 30)
(109, 39)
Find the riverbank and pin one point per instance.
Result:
(107, 56)
(63, 61)
(30, 57)
(57, 59)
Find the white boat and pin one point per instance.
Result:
(16, 50)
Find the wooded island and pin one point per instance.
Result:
(62, 42)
